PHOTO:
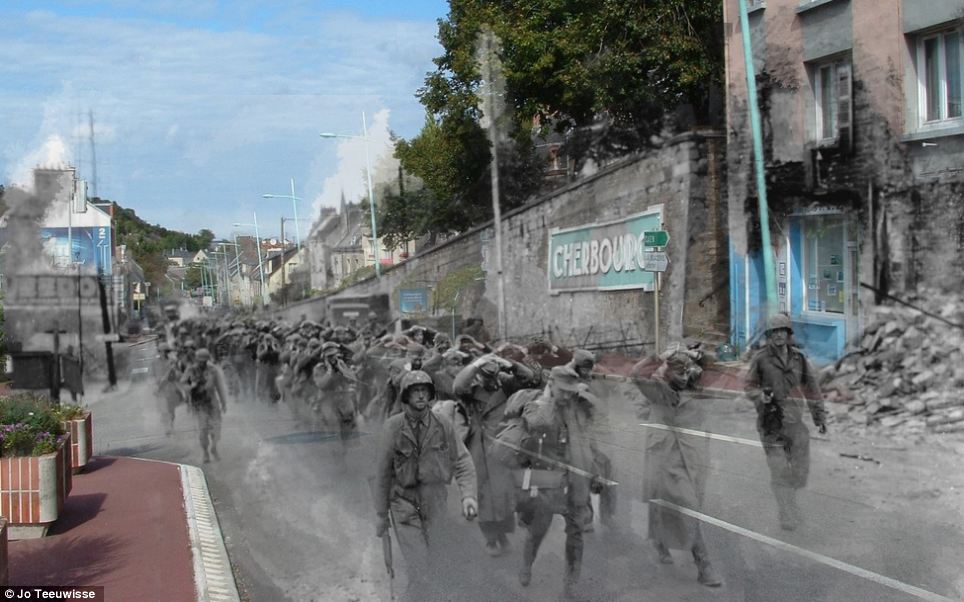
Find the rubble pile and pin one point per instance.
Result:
(908, 371)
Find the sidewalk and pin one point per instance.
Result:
(143, 530)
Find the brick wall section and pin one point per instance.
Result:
(680, 176)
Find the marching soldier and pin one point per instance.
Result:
(418, 456)
(207, 397)
(777, 372)
(483, 387)
(561, 424)
(675, 468)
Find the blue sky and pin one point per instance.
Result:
(202, 106)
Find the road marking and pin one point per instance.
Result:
(140, 370)
(900, 586)
(685, 431)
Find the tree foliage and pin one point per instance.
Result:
(567, 64)
(148, 243)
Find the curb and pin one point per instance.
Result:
(213, 578)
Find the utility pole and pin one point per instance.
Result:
(283, 293)
(488, 51)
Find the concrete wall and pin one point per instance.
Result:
(827, 29)
(920, 14)
(685, 176)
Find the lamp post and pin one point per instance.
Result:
(371, 192)
(257, 237)
(294, 206)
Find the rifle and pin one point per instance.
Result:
(386, 544)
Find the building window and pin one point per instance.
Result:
(831, 101)
(824, 258)
(939, 76)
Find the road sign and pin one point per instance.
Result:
(139, 296)
(655, 262)
(656, 238)
(107, 338)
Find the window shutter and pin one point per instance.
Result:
(845, 107)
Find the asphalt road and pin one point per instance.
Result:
(298, 522)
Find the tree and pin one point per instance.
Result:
(193, 277)
(609, 72)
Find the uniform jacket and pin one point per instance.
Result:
(790, 381)
(569, 433)
(411, 475)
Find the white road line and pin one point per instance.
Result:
(685, 431)
(837, 564)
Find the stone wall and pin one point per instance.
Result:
(685, 176)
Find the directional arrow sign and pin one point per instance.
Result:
(656, 238)
(655, 262)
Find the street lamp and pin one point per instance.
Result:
(371, 192)
(294, 206)
(257, 237)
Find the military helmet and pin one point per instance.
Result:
(778, 321)
(415, 377)
(330, 348)
(581, 357)
(202, 354)
(189, 344)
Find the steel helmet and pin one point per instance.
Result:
(330, 348)
(581, 357)
(202, 354)
(415, 377)
(778, 321)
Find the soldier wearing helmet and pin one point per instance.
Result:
(780, 378)
(166, 376)
(207, 397)
(418, 455)
(483, 387)
(335, 401)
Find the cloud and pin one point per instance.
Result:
(209, 118)
(54, 152)
(350, 178)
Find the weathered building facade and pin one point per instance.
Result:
(864, 146)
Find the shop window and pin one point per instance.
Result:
(825, 263)
(939, 77)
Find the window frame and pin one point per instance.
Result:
(815, 121)
(845, 265)
(819, 112)
(920, 64)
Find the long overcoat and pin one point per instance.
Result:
(676, 463)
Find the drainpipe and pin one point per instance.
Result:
(769, 271)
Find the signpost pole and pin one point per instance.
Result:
(656, 304)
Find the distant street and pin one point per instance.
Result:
(299, 524)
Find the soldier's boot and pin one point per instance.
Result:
(573, 568)
(796, 515)
(528, 557)
(207, 457)
(663, 552)
(214, 451)
(505, 546)
(706, 574)
(784, 510)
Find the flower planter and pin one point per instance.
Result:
(81, 441)
(33, 490)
